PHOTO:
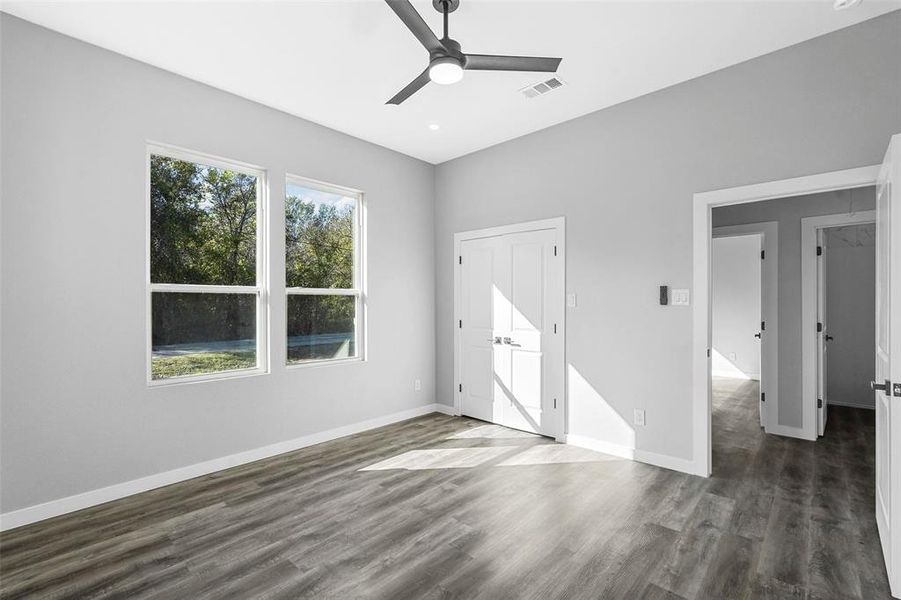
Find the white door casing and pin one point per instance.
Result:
(509, 296)
(888, 364)
(703, 203)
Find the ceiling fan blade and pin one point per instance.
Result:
(412, 87)
(414, 23)
(489, 62)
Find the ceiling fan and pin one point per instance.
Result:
(446, 60)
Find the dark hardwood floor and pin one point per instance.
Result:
(439, 507)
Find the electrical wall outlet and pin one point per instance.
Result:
(638, 416)
(571, 300)
(417, 385)
(732, 356)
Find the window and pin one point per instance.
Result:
(323, 272)
(205, 294)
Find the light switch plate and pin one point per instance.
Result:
(417, 385)
(571, 300)
(679, 297)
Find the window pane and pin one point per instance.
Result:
(195, 334)
(319, 238)
(321, 327)
(203, 224)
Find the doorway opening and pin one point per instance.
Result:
(744, 313)
(838, 273)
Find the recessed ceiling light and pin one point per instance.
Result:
(843, 4)
(434, 126)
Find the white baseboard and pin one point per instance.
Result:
(444, 409)
(666, 461)
(597, 445)
(53, 508)
(652, 458)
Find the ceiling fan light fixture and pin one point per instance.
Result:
(446, 70)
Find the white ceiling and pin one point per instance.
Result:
(337, 62)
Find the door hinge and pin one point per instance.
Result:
(555, 403)
(460, 324)
(819, 403)
(555, 250)
(460, 387)
(763, 255)
(763, 396)
(763, 326)
(819, 251)
(819, 328)
(555, 328)
(708, 352)
(459, 260)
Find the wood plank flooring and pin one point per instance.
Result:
(441, 507)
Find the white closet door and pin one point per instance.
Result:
(506, 324)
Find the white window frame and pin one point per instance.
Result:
(359, 274)
(262, 254)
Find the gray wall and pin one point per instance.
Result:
(850, 314)
(624, 177)
(76, 411)
(789, 212)
(735, 289)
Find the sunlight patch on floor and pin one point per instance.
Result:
(554, 454)
(493, 432)
(440, 458)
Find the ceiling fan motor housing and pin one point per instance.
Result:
(451, 50)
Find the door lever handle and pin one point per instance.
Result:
(882, 387)
(508, 340)
(495, 340)
(757, 335)
(829, 338)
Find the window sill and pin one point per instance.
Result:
(331, 362)
(221, 376)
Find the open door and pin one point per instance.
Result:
(887, 385)
(822, 332)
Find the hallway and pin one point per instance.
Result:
(808, 506)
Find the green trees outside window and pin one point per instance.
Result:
(203, 231)
(320, 250)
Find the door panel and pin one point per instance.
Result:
(527, 285)
(477, 367)
(888, 364)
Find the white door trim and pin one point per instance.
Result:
(769, 343)
(703, 203)
(558, 347)
(809, 227)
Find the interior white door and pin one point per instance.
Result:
(507, 319)
(479, 285)
(888, 364)
(822, 333)
(761, 387)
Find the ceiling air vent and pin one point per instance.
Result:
(543, 87)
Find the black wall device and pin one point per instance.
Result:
(664, 295)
